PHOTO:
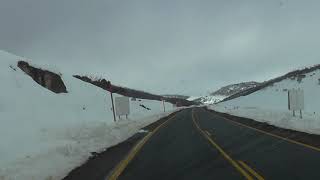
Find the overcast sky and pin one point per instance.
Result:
(166, 46)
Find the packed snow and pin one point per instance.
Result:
(44, 135)
(270, 105)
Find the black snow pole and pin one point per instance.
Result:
(114, 114)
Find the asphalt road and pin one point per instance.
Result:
(197, 144)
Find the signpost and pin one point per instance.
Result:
(164, 106)
(296, 101)
(122, 106)
(114, 114)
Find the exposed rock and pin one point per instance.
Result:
(300, 77)
(145, 107)
(234, 89)
(13, 68)
(106, 85)
(176, 96)
(46, 79)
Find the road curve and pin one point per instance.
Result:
(197, 144)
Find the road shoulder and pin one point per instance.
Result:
(99, 165)
(300, 137)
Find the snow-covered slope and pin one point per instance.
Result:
(270, 104)
(224, 92)
(209, 99)
(44, 135)
(232, 89)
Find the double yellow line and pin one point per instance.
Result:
(270, 134)
(244, 170)
(124, 163)
(227, 157)
(249, 169)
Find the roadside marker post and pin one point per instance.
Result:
(164, 106)
(114, 114)
(300, 114)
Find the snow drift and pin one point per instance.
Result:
(44, 135)
(270, 104)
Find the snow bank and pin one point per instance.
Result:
(270, 105)
(283, 119)
(44, 135)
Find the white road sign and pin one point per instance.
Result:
(122, 106)
(296, 99)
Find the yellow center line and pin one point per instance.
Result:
(273, 135)
(248, 168)
(208, 133)
(134, 151)
(224, 154)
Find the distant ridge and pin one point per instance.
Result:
(296, 74)
(234, 88)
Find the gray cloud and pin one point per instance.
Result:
(165, 46)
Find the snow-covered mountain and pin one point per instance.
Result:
(268, 102)
(225, 92)
(234, 89)
(207, 99)
(43, 135)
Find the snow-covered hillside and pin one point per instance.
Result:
(224, 92)
(270, 104)
(208, 99)
(44, 135)
(232, 89)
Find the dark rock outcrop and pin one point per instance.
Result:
(46, 79)
(106, 85)
(141, 105)
(235, 88)
(175, 96)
